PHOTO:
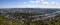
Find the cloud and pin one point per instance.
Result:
(32, 1)
(50, 3)
(41, 0)
(36, 1)
(54, 3)
(25, 2)
(49, 6)
(44, 4)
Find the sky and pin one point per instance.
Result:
(29, 3)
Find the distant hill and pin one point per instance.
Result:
(30, 10)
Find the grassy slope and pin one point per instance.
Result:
(4, 21)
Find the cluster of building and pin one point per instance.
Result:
(30, 18)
